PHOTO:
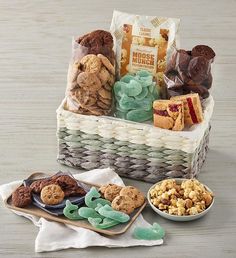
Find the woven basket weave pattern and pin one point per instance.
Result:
(134, 150)
(88, 151)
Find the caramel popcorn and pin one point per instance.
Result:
(188, 198)
(149, 38)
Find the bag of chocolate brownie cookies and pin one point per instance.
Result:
(91, 74)
(190, 71)
(143, 43)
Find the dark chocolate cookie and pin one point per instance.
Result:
(205, 51)
(208, 82)
(182, 60)
(198, 69)
(173, 80)
(74, 191)
(21, 197)
(66, 182)
(46, 182)
(179, 61)
(96, 38)
(171, 65)
(98, 42)
(36, 186)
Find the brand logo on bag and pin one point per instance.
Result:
(157, 22)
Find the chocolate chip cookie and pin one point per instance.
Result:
(91, 63)
(124, 204)
(134, 194)
(89, 81)
(103, 75)
(105, 94)
(112, 191)
(102, 189)
(84, 97)
(52, 194)
(107, 63)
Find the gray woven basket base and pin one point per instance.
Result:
(136, 161)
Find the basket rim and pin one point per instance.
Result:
(194, 132)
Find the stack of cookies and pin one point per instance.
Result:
(52, 190)
(124, 199)
(190, 71)
(92, 75)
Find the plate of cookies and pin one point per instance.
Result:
(108, 209)
(180, 199)
(50, 193)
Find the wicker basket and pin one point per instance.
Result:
(134, 150)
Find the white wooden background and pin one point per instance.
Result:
(35, 43)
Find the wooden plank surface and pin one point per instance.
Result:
(35, 42)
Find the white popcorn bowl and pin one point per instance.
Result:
(176, 217)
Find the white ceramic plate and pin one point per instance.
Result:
(176, 217)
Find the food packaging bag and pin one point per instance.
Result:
(143, 43)
(188, 73)
(91, 74)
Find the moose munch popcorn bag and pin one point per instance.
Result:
(143, 43)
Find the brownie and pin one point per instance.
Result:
(21, 197)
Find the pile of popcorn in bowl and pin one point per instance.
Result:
(188, 197)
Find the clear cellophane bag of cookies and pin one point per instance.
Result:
(190, 71)
(144, 43)
(91, 74)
